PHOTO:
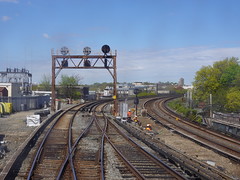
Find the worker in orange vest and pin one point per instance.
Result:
(149, 127)
(129, 116)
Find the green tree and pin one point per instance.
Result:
(218, 80)
(68, 86)
(45, 83)
(100, 86)
(233, 99)
(206, 82)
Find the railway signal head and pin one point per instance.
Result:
(105, 49)
(87, 51)
(136, 100)
(87, 63)
(136, 91)
(64, 50)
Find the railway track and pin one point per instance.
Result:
(133, 161)
(65, 153)
(220, 143)
(194, 168)
(81, 143)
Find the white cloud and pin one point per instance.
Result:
(145, 65)
(5, 18)
(45, 35)
(169, 64)
(10, 1)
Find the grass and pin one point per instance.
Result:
(178, 105)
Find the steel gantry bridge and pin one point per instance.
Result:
(65, 60)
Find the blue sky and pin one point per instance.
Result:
(156, 40)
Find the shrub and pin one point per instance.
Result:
(180, 108)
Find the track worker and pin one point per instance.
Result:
(135, 119)
(129, 116)
(149, 127)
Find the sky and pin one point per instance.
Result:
(155, 40)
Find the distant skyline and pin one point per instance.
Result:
(156, 40)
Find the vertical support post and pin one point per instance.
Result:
(188, 98)
(191, 100)
(210, 103)
(115, 111)
(53, 102)
(136, 105)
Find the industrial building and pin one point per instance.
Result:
(18, 82)
(16, 89)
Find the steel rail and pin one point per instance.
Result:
(175, 115)
(104, 129)
(38, 154)
(150, 155)
(70, 154)
(138, 174)
(128, 164)
(189, 164)
(228, 143)
(104, 136)
(11, 169)
(71, 148)
(201, 135)
(102, 144)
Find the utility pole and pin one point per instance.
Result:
(210, 103)
(136, 100)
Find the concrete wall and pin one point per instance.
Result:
(226, 129)
(224, 126)
(25, 103)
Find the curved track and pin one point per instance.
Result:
(81, 143)
(225, 145)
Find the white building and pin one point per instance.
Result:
(18, 82)
(14, 89)
(108, 92)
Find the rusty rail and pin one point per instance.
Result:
(137, 172)
(225, 145)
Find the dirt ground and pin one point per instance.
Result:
(15, 130)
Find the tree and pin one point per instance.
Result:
(206, 82)
(219, 80)
(233, 99)
(45, 83)
(68, 86)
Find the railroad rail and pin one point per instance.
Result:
(220, 143)
(83, 143)
(138, 163)
(77, 145)
(59, 157)
(192, 167)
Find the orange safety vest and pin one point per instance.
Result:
(129, 114)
